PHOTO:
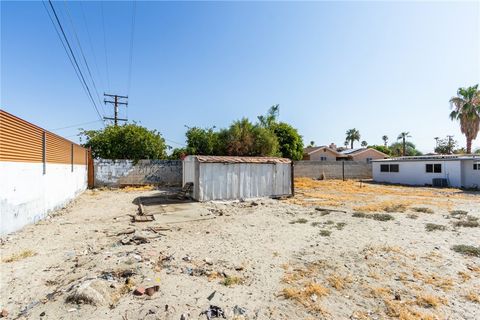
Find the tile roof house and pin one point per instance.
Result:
(332, 153)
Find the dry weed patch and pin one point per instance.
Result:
(434, 227)
(231, 281)
(422, 210)
(338, 282)
(473, 296)
(372, 197)
(467, 250)
(430, 301)
(20, 256)
(301, 221)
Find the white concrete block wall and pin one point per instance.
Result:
(27, 194)
(413, 173)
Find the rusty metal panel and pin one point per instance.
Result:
(21, 141)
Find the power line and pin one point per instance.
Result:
(74, 58)
(63, 45)
(91, 43)
(131, 46)
(105, 45)
(76, 125)
(181, 144)
(82, 53)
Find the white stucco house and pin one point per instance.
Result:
(462, 171)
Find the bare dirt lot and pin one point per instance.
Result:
(337, 250)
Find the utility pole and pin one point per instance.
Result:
(115, 103)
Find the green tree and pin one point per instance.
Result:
(289, 141)
(243, 138)
(352, 135)
(364, 143)
(410, 149)
(403, 136)
(178, 154)
(477, 151)
(312, 144)
(129, 141)
(385, 140)
(446, 146)
(466, 109)
(271, 117)
(383, 149)
(202, 141)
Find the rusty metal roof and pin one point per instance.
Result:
(228, 159)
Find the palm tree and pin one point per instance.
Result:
(385, 140)
(346, 143)
(312, 144)
(466, 109)
(352, 135)
(403, 136)
(436, 141)
(364, 143)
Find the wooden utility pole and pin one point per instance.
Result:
(115, 103)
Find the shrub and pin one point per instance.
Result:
(433, 227)
(467, 250)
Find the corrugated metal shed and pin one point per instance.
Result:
(229, 178)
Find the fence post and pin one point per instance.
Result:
(71, 155)
(90, 170)
(44, 151)
(343, 170)
(292, 178)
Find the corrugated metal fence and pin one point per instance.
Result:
(21, 141)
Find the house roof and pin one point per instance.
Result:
(432, 158)
(310, 150)
(353, 152)
(228, 159)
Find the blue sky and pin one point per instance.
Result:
(380, 67)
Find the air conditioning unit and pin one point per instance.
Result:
(439, 182)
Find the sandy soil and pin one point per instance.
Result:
(262, 259)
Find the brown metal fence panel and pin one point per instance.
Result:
(79, 155)
(21, 141)
(58, 149)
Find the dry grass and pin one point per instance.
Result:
(473, 296)
(386, 206)
(422, 210)
(325, 233)
(338, 282)
(430, 301)
(374, 216)
(444, 283)
(404, 311)
(434, 227)
(135, 188)
(231, 281)
(306, 295)
(372, 197)
(301, 221)
(466, 223)
(467, 250)
(20, 256)
(464, 275)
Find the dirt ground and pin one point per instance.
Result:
(337, 250)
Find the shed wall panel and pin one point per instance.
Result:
(221, 181)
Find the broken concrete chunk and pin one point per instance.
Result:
(140, 291)
(151, 290)
(4, 313)
(96, 292)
